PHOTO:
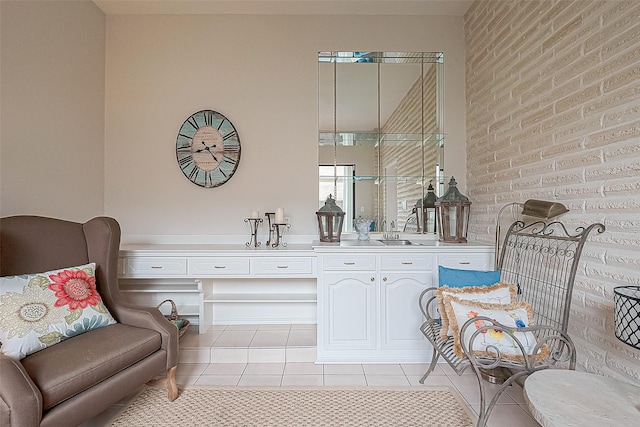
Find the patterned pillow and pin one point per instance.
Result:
(42, 309)
(514, 315)
(500, 293)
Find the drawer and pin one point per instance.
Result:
(407, 262)
(218, 266)
(155, 267)
(349, 262)
(466, 262)
(277, 266)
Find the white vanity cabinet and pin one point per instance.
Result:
(368, 299)
(366, 306)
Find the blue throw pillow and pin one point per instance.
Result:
(455, 278)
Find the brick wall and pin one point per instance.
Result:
(553, 113)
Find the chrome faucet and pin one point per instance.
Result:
(389, 234)
(393, 235)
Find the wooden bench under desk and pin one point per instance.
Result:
(199, 276)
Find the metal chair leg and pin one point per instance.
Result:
(432, 365)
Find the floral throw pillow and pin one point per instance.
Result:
(490, 341)
(500, 293)
(42, 309)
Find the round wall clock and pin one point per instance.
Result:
(208, 149)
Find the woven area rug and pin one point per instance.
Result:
(279, 406)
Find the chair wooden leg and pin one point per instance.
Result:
(172, 386)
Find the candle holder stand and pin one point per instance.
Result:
(270, 220)
(279, 231)
(253, 223)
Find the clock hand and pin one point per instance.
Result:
(211, 152)
(202, 149)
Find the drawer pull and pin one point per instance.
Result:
(283, 266)
(464, 262)
(407, 263)
(156, 266)
(373, 279)
(220, 266)
(349, 263)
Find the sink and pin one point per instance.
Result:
(396, 242)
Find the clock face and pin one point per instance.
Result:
(208, 149)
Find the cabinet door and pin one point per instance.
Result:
(350, 310)
(400, 315)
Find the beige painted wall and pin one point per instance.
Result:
(261, 72)
(552, 114)
(52, 109)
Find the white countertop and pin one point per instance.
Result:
(292, 249)
(376, 244)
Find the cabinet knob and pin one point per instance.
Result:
(373, 279)
(384, 279)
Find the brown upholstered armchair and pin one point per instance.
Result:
(80, 377)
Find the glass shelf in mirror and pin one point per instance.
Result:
(417, 179)
(347, 139)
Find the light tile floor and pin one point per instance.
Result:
(283, 355)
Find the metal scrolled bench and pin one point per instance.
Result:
(541, 259)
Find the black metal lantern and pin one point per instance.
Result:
(330, 218)
(426, 212)
(452, 211)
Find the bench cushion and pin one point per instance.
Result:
(78, 363)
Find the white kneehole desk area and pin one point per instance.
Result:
(362, 295)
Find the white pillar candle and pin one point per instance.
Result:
(255, 215)
(280, 216)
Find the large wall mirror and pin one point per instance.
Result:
(381, 136)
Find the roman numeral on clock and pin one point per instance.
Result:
(185, 161)
(193, 175)
(184, 135)
(208, 118)
(230, 160)
(192, 121)
(231, 134)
